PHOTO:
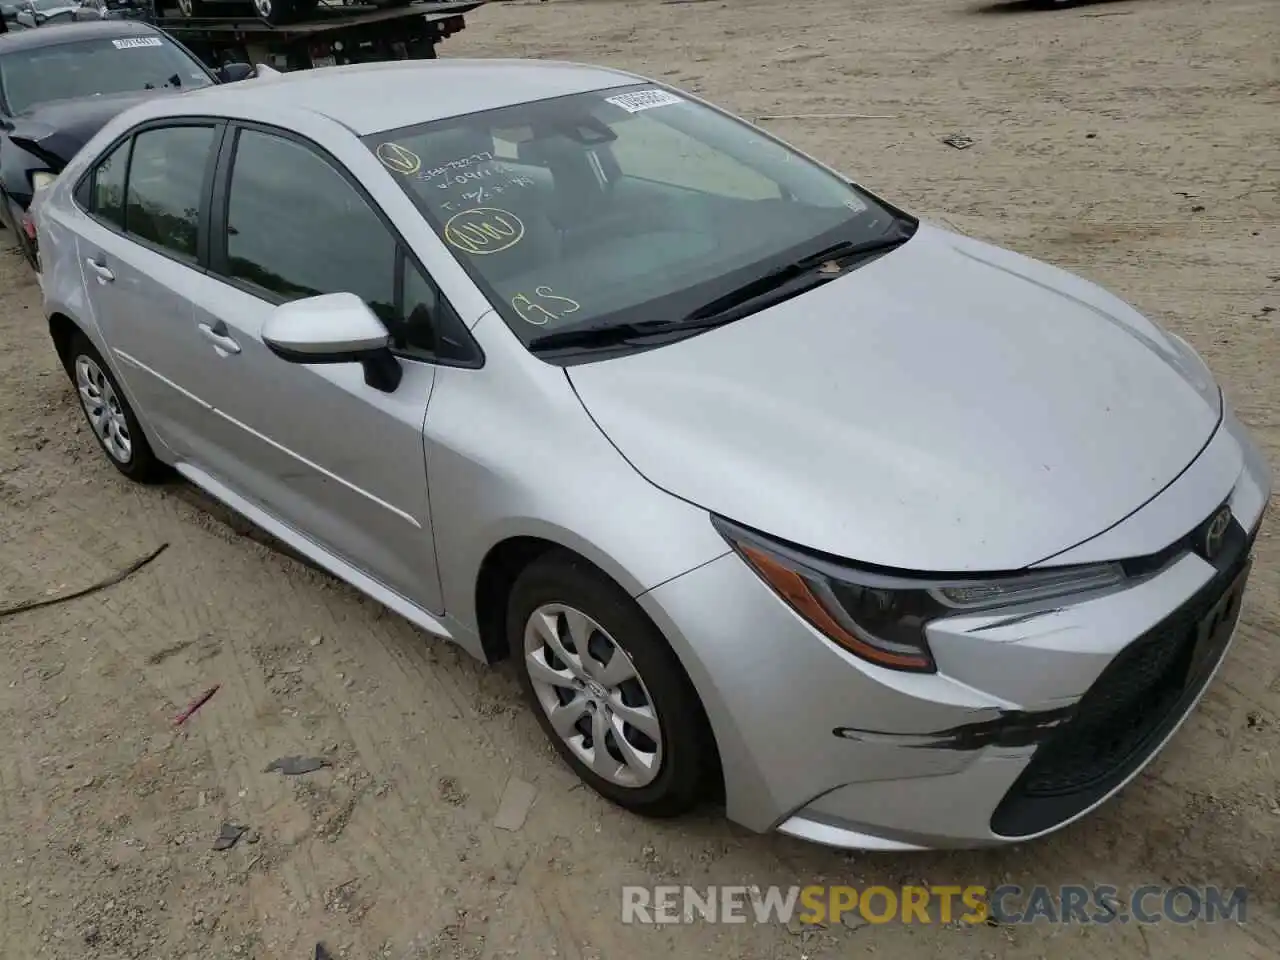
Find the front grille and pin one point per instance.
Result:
(1134, 703)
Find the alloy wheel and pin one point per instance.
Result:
(106, 415)
(593, 695)
(264, 8)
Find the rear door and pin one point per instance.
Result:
(140, 250)
(340, 462)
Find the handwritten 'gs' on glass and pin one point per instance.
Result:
(483, 230)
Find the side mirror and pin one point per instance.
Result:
(334, 328)
(233, 72)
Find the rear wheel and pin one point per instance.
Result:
(606, 688)
(109, 415)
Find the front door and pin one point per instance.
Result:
(340, 462)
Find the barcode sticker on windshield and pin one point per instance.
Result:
(643, 100)
(132, 42)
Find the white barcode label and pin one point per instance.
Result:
(643, 100)
(132, 42)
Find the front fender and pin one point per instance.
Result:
(511, 452)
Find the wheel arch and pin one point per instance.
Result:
(497, 575)
(62, 329)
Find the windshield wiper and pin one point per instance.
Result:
(754, 295)
(776, 285)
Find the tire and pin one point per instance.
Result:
(191, 8)
(120, 436)
(559, 588)
(20, 235)
(275, 12)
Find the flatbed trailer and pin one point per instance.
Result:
(331, 35)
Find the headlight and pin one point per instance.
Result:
(881, 617)
(42, 180)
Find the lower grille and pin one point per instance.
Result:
(1132, 706)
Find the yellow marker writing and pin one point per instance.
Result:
(483, 230)
(400, 159)
(552, 307)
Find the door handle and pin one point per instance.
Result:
(219, 340)
(101, 269)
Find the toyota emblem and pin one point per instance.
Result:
(1215, 533)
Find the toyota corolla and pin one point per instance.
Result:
(889, 537)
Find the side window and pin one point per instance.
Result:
(297, 228)
(106, 197)
(650, 150)
(165, 187)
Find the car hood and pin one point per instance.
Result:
(56, 131)
(951, 406)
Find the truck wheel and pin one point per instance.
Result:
(274, 11)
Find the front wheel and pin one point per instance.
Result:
(109, 415)
(606, 688)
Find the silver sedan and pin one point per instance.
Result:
(772, 491)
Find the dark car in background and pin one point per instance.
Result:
(59, 86)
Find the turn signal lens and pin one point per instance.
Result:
(813, 597)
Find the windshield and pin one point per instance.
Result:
(85, 68)
(618, 206)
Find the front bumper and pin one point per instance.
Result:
(1030, 722)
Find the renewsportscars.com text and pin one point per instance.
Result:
(1007, 904)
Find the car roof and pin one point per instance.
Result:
(372, 97)
(52, 36)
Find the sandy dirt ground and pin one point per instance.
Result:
(1135, 142)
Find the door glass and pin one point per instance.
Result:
(297, 228)
(166, 183)
(108, 186)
